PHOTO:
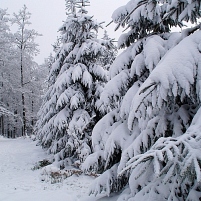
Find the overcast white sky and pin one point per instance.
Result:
(47, 17)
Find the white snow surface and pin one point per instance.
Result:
(20, 183)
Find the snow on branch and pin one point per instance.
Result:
(4, 111)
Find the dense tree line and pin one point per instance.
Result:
(21, 78)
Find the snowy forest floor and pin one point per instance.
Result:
(19, 182)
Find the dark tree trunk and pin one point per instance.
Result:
(32, 111)
(2, 128)
(23, 116)
(23, 98)
(14, 132)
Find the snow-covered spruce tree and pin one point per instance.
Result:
(111, 55)
(70, 108)
(130, 69)
(167, 168)
(153, 96)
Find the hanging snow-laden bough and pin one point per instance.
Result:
(4, 111)
(175, 161)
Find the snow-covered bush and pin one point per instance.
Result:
(41, 164)
(54, 174)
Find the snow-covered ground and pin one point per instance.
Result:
(18, 182)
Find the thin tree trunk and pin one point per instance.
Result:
(23, 116)
(8, 131)
(32, 110)
(14, 132)
(3, 125)
(23, 98)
